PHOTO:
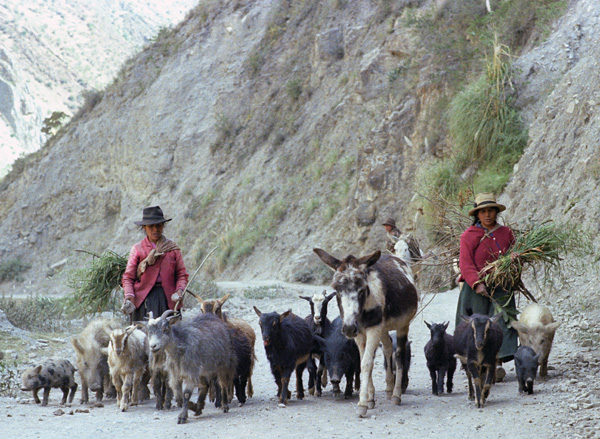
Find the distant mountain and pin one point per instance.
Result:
(53, 50)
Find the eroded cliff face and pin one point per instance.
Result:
(267, 128)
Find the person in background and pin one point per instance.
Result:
(481, 243)
(392, 232)
(155, 277)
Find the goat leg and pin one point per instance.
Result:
(299, 385)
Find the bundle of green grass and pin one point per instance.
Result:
(94, 285)
(542, 245)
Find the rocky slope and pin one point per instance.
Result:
(271, 127)
(52, 51)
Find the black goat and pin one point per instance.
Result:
(477, 341)
(439, 353)
(288, 341)
(319, 324)
(341, 358)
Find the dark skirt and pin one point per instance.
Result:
(469, 302)
(156, 301)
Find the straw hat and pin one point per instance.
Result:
(486, 199)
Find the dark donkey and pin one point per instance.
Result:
(375, 294)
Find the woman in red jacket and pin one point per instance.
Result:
(155, 277)
(480, 244)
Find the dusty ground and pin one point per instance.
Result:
(566, 405)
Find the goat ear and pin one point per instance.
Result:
(446, 325)
(257, 311)
(223, 299)
(327, 258)
(37, 369)
(369, 259)
(284, 315)
(428, 325)
(200, 300)
(551, 327)
(465, 319)
(537, 357)
(150, 315)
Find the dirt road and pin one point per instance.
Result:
(566, 405)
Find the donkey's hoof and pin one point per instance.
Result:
(388, 394)
(395, 400)
(361, 411)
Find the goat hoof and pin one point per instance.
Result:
(311, 391)
(361, 411)
(181, 420)
(395, 400)
(281, 405)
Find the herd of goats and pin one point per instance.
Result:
(215, 353)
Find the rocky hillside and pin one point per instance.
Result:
(271, 127)
(52, 51)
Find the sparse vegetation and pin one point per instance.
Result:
(35, 313)
(294, 88)
(264, 292)
(13, 269)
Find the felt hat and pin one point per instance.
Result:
(485, 199)
(389, 222)
(152, 215)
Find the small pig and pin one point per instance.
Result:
(526, 365)
(51, 373)
(536, 328)
(341, 357)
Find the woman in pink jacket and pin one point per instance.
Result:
(155, 277)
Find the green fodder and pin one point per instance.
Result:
(35, 313)
(541, 248)
(94, 285)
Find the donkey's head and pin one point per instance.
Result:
(350, 282)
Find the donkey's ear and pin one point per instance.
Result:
(369, 259)
(327, 258)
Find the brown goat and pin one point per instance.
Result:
(246, 339)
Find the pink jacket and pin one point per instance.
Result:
(170, 266)
(476, 251)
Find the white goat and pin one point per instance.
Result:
(127, 363)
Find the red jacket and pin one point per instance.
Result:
(475, 253)
(170, 266)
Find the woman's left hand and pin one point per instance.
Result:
(177, 296)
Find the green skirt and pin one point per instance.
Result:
(469, 302)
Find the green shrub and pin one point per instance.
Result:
(13, 269)
(35, 313)
(264, 292)
(10, 378)
(294, 88)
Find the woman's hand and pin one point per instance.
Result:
(177, 296)
(128, 307)
(481, 289)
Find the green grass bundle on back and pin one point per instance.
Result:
(94, 284)
(543, 245)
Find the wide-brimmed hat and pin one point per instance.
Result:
(152, 215)
(485, 199)
(389, 222)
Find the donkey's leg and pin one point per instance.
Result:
(401, 374)
(388, 352)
